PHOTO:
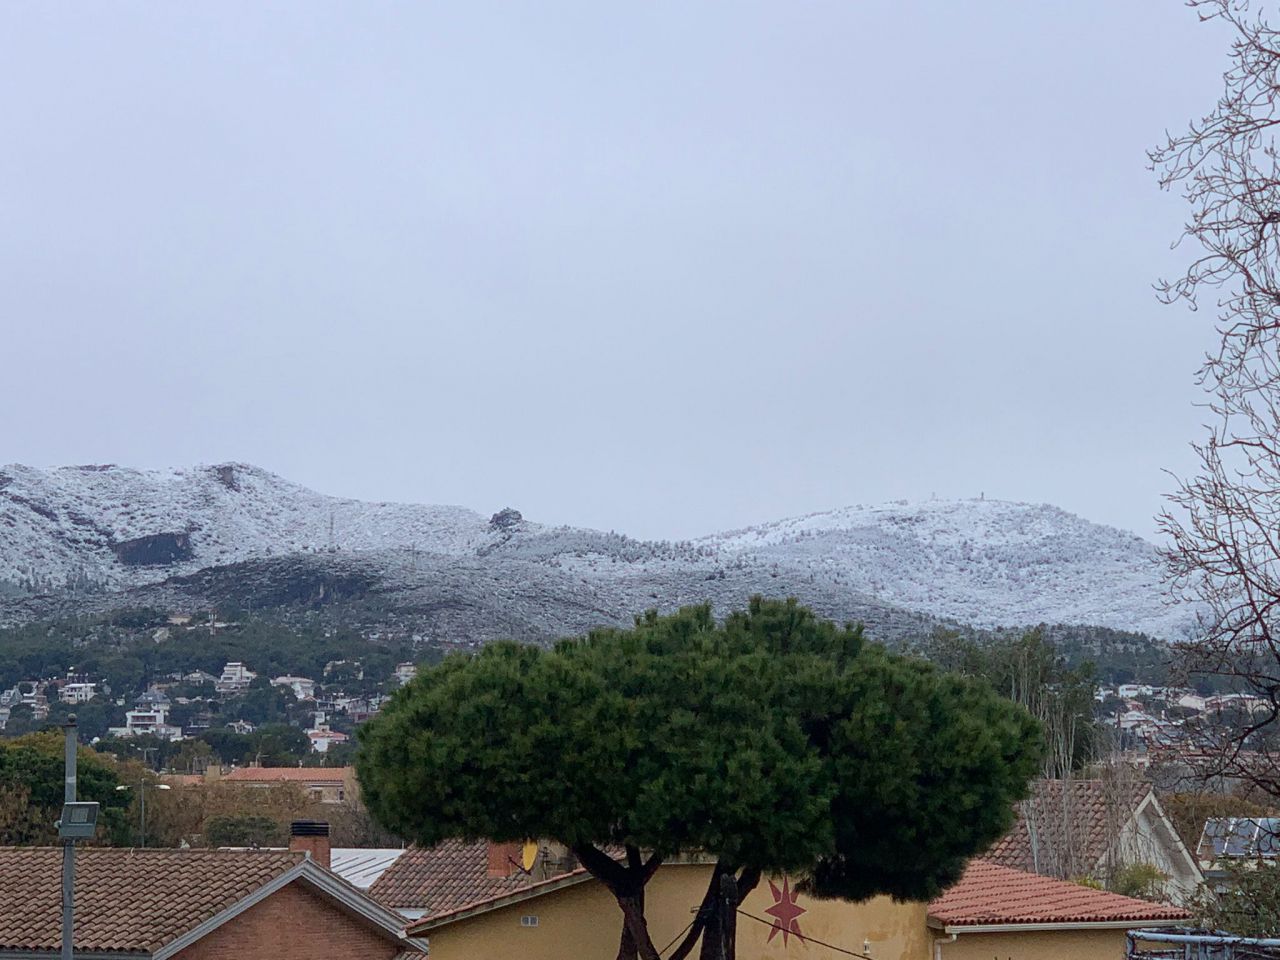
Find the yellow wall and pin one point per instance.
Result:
(1051, 945)
(583, 922)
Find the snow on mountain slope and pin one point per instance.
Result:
(85, 522)
(981, 562)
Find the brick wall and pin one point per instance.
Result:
(293, 924)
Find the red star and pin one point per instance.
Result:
(785, 910)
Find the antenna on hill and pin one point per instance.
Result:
(332, 546)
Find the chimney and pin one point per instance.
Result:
(312, 838)
(504, 859)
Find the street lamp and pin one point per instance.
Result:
(142, 804)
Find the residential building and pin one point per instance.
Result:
(325, 784)
(77, 692)
(405, 672)
(198, 678)
(150, 716)
(235, 678)
(242, 727)
(196, 905)
(478, 901)
(322, 738)
(1070, 829)
(304, 688)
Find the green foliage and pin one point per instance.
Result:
(775, 741)
(1249, 907)
(1031, 671)
(31, 789)
(244, 831)
(1141, 880)
(92, 719)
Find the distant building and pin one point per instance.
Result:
(325, 784)
(242, 727)
(149, 717)
(304, 688)
(322, 738)
(235, 678)
(198, 678)
(77, 692)
(405, 672)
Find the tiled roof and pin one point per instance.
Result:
(1066, 827)
(291, 774)
(989, 894)
(443, 878)
(125, 900)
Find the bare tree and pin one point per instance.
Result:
(1224, 523)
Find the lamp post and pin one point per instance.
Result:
(78, 822)
(143, 783)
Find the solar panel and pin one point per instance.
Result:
(1215, 833)
(1241, 840)
(1268, 837)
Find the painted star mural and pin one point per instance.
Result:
(785, 912)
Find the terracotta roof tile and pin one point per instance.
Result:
(291, 774)
(126, 900)
(443, 878)
(991, 894)
(1066, 827)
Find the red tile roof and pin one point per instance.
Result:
(443, 878)
(989, 894)
(125, 900)
(291, 774)
(1066, 827)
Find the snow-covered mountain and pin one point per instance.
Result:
(170, 534)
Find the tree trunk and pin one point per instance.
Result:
(729, 915)
(635, 928)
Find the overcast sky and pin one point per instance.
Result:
(658, 267)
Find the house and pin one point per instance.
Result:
(405, 672)
(1071, 829)
(431, 881)
(235, 678)
(482, 903)
(325, 784)
(198, 678)
(77, 692)
(997, 911)
(242, 727)
(322, 738)
(303, 688)
(150, 716)
(196, 905)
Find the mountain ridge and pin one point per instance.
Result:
(92, 536)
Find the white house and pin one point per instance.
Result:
(235, 677)
(149, 717)
(322, 738)
(304, 688)
(405, 672)
(77, 692)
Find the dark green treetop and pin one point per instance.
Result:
(773, 742)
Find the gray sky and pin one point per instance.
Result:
(662, 267)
